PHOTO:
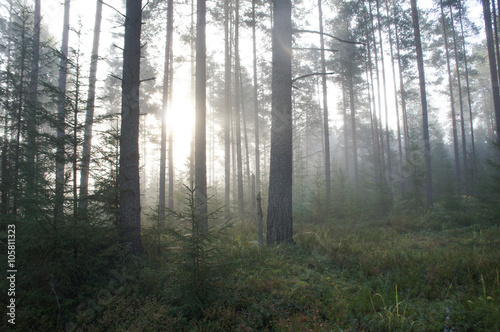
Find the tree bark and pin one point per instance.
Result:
(200, 157)
(89, 117)
(255, 102)
(130, 205)
(423, 98)
(493, 66)
(458, 175)
(61, 122)
(227, 113)
(279, 215)
(326, 130)
(237, 111)
(164, 110)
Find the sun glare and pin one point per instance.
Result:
(180, 121)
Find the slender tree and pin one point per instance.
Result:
(227, 113)
(493, 66)
(237, 110)
(61, 121)
(279, 213)
(423, 98)
(166, 90)
(89, 117)
(256, 104)
(201, 111)
(458, 176)
(32, 114)
(130, 205)
(326, 130)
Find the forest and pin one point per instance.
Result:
(250, 165)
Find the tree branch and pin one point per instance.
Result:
(328, 35)
(316, 49)
(116, 10)
(311, 74)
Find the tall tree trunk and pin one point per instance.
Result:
(247, 152)
(388, 145)
(227, 113)
(5, 183)
(326, 130)
(403, 100)
(130, 204)
(256, 106)
(379, 130)
(458, 175)
(493, 66)
(89, 117)
(201, 114)
(61, 122)
(473, 145)
(171, 178)
(353, 125)
(373, 115)
(74, 157)
(461, 103)
(279, 214)
(32, 115)
(346, 135)
(237, 110)
(193, 90)
(164, 110)
(400, 147)
(21, 98)
(423, 98)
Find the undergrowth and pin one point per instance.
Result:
(422, 273)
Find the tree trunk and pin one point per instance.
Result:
(61, 122)
(130, 205)
(388, 145)
(326, 130)
(493, 66)
(89, 117)
(164, 110)
(227, 113)
(473, 146)
(461, 103)
(279, 215)
(31, 122)
(400, 147)
(423, 97)
(255, 102)
(346, 135)
(458, 176)
(200, 157)
(353, 125)
(237, 111)
(403, 103)
(171, 169)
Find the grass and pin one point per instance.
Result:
(431, 273)
(400, 275)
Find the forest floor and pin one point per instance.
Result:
(433, 273)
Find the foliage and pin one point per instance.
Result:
(198, 256)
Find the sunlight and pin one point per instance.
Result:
(180, 120)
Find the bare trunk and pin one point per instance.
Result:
(130, 204)
(255, 102)
(89, 117)
(237, 110)
(326, 130)
(458, 177)
(61, 122)
(227, 113)
(164, 110)
(201, 111)
(474, 167)
(423, 97)
(279, 214)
